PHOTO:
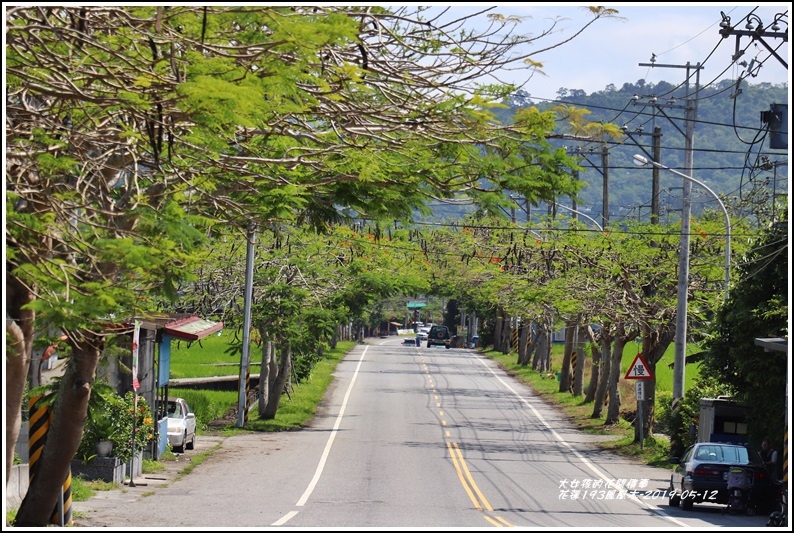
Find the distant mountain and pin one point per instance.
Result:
(732, 150)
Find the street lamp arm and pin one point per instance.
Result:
(642, 161)
(582, 214)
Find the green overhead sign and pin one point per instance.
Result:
(416, 305)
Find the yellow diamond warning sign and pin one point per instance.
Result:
(639, 369)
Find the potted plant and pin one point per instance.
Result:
(102, 424)
(104, 433)
(114, 419)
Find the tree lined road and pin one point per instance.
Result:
(415, 437)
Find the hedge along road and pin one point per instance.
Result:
(412, 437)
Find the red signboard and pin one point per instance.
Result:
(192, 328)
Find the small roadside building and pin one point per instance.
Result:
(153, 368)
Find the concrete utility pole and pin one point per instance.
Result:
(690, 115)
(604, 170)
(657, 155)
(656, 141)
(244, 358)
(605, 191)
(679, 369)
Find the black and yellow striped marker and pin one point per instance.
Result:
(38, 426)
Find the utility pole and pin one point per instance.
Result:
(573, 198)
(756, 30)
(656, 147)
(242, 403)
(604, 170)
(657, 155)
(690, 115)
(679, 369)
(605, 192)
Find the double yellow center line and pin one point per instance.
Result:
(464, 474)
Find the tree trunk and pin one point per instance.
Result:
(613, 391)
(542, 360)
(581, 359)
(497, 330)
(280, 381)
(595, 368)
(654, 345)
(621, 337)
(19, 343)
(502, 332)
(565, 372)
(264, 377)
(504, 335)
(532, 345)
(64, 434)
(606, 360)
(523, 344)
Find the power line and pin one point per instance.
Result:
(641, 113)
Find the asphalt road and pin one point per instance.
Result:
(409, 437)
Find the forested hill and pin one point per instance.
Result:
(732, 151)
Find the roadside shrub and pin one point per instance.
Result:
(682, 423)
(112, 418)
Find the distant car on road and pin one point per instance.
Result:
(422, 333)
(438, 335)
(181, 425)
(701, 474)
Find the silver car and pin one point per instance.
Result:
(181, 425)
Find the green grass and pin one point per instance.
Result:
(83, 489)
(196, 460)
(150, 466)
(208, 405)
(206, 357)
(664, 370)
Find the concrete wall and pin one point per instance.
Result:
(17, 485)
(18, 479)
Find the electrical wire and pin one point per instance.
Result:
(641, 113)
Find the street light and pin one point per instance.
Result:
(642, 161)
(683, 279)
(582, 214)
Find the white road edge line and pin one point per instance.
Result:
(324, 457)
(571, 448)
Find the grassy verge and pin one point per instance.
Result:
(297, 408)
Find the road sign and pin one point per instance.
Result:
(639, 369)
(639, 390)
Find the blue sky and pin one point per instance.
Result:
(611, 50)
